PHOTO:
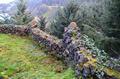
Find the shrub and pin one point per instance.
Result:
(102, 57)
(22, 16)
(5, 19)
(101, 18)
(64, 16)
(42, 23)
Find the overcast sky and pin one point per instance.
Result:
(6, 1)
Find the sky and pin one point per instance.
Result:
(6, 1)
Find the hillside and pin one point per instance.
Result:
(60, 39)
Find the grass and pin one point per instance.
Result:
(21, 58)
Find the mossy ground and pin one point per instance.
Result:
(21, 58)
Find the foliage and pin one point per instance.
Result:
(96, 21)
(113, 24)
(101, 24)
(42, 23)
(104, 61)
(22, 16)
(69, 13)
(102, 57)
(112, 28)
(1, 21)
(103, 18)
(5, 19)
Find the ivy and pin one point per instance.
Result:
(102, 57)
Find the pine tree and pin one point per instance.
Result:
(5, 18)
(104, 19)
(42, 23)
(22, 16)
(69, 13)
(113, 25)
(112, 29)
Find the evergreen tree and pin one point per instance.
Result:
(42, 23)
(113, 24)
(22, 16)
(5, 19)
(112, 29)
(99, 21)
(105, 20)
(69, 13)
(102, 24)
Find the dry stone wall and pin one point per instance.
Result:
(12, 29)
(66, 49)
